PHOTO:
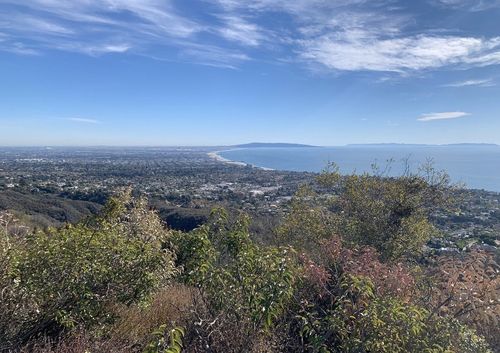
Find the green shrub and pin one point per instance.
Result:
(356, 320)
(245, 288)
(71, 276)
(160, 343)
(389, 214)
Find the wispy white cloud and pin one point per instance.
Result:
(94, 49)
(478, 83)
(158, 16)
(22, 23)
(342, 35)
(98, 27)
(239, 30)
(296, 7)
(94, 26)
(371, 41)
(472, 5)
(360, 50)
(84, 120)
(442, 116)
(215, 56)
(17, 48)
(339, 35)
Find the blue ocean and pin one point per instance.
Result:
(477, 166)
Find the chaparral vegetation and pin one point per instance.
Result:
(344, 271)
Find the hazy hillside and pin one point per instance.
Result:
(46, 209)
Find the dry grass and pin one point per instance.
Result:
(169, 306)
(133, 328)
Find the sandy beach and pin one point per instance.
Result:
(215, 155)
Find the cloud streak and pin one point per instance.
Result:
(337, 35)
(442, 116)
(468, 83)
(84, 120)
(471, 5)
(357, 35)
(98, 27)
(241, 31)
(371, 41)
(359, 51)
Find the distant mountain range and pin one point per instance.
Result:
(290, 145)
(268, 145)
(423, 144)
(472, 144)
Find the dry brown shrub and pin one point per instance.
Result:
(132, 330)
(215, 331)
(10, 225)
(467, 287)
(389, 278)
(79, 342)
(76, 344)
(170, 306)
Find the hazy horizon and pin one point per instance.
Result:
(472, 144)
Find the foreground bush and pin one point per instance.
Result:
(243, 288)
(355, 303)
(70, 277)
(467, 287)
(137, 327)
(390, 214)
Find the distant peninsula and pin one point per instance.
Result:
(473, 144)
(270, 145)
(423, 145)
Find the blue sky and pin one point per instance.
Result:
(214, 72)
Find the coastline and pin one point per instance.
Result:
(359, 160)
(216, 156)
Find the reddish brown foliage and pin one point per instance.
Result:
(467, 287)
(388, 278)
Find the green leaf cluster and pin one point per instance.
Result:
(160, 343)
(390, 214)
(72, 276)
(357, 320)
(248, 282)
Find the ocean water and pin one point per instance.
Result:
(476, 166)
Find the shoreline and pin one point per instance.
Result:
(469, 181)
(217, 157)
